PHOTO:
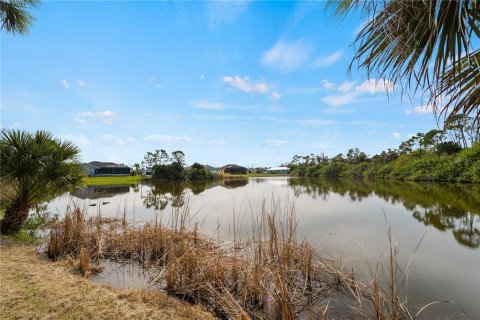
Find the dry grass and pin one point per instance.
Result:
(32, 287)
(265, 274)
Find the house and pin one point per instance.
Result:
(211, 169)
(232, 169)
(147, 171)
(97, 168)
(278, 170)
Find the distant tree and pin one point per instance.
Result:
(178, 157)
(15, 17)
(34, 167)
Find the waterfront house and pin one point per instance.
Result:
(278, 170)
(232, 169)
(98, 168)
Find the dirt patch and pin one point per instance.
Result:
(33, 287)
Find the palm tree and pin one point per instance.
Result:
(14, 15)
(34, 167)
(431, 45)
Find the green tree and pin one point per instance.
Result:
(34, 167)
(15, 17)
(431, 45)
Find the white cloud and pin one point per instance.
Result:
(104, 116)
(157, 85)
(340, 99)
(286, 56)
(202, 76)
(326, 61)
(373, 86)
(130, 140)
(208, 105)
(81, 83)
(163, 138)
(110, 139)
(422, 109)
(396, 135)
(275, 96)
(328, 85)
(275, 142)
(65, 83)
(346, 86)
(352, 92)
(244, 84)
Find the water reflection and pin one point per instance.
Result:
(454, 207)
(97, 192)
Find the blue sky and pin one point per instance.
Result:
(251, 83)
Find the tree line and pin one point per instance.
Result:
(450, 154)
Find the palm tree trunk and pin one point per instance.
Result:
(15, 216)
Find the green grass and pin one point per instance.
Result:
(104, 181)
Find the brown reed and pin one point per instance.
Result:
(266, 274)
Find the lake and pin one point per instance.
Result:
(342, 218)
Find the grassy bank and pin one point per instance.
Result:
(32, 287)
(105, 181)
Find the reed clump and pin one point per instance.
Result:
(262, 274)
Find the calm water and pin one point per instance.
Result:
(341, 218)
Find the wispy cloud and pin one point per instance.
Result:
(81, 83)
(163, 138)
(208, 105)
(422, 109)
(216, 142)
(328, 85)
(328, 60)
(244, 84)
(214, 117)
(275, 96)
(77, 139)
(110, 139)
(131, 140)
(220, 12)
(65, 83)
(106, 117)
(286, 56)
(352, 92)
(346, 86)
(276, 142)
(373, 86)
(396, 135)
(339, 99)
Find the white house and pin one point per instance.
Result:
(278, 170)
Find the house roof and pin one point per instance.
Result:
(100, 164)
(278, 168)
(231, 166)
